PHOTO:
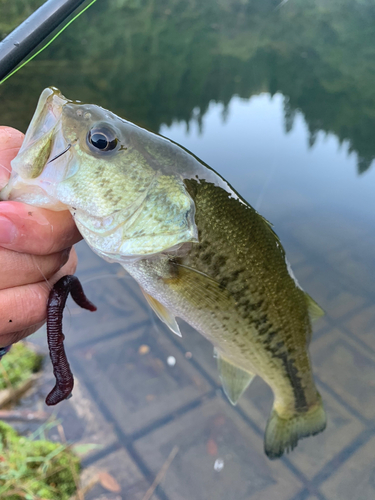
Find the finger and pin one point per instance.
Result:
(17, 336)
(22, 269)
(10, 142)
(38, 231)
(25, 306)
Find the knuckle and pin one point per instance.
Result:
(60, 259)
(72, 263)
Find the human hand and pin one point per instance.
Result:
(35, 252)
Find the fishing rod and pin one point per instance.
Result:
(28, 35)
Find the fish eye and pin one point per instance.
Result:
(102, 139)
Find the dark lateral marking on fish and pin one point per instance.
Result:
(271, 336)
(248, 307)
(223, 284)
(299, 394)
(249, 304)
(268, 334)
(291, 371)
(55, 337)
(207, 258)
(265, 329)
(235, 275)
(220, 261)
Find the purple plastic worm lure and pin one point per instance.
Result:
(56, 303)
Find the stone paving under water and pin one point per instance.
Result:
(141, 391)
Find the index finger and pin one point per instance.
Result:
(34, 230)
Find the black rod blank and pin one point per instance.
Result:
(23, 40)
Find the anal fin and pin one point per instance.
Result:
(235, 380)
(163, 314)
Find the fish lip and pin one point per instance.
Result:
(46, 121)
(47, 114)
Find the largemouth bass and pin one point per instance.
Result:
(198, 250)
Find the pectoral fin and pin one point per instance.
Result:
(200, 290)
(163, 314)
(235, 380)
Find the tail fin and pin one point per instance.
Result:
(283, 434)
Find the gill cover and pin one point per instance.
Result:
(128, 198)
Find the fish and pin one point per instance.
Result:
(197, 249)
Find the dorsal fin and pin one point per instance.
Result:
(163, 314)
(235, 380)
(314, 310)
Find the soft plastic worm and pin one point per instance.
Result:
(56, 303)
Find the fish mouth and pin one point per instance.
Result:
(43, 143)
(47, 115)
(44, 127)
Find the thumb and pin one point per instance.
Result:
(10, 142)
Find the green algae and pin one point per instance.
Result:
(18, 365)
(32, 469)
(35, 470)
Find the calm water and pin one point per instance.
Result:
(280, 100)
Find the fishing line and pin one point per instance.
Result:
(6, 168)
(267, 182)
(49, 286)
(41, 272)
(48, 43)
(105, 276)
(281, 4)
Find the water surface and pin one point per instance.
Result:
(280, 100)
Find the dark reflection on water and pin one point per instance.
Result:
(154, 62)
(280, 100)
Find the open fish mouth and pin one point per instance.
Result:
(48, 112)
(43, 143)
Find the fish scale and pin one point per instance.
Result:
(252, 295)
(197, 249)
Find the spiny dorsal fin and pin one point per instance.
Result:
(269, 226)
(314, 310)
(163, 314)
(235, 380)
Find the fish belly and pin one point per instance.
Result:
(217, 317)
